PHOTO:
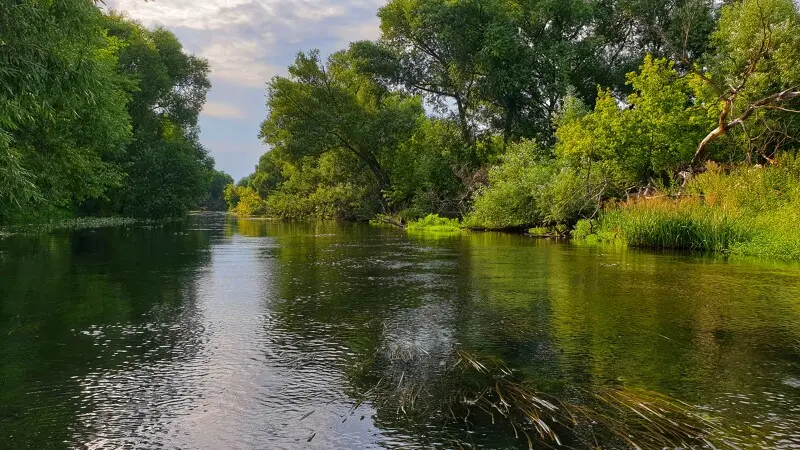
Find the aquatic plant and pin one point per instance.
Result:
(473, 392)
(77, 223)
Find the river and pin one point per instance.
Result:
(223, 333)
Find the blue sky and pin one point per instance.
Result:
(247, 42)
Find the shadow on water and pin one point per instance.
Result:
(73, 304)
(224, 333)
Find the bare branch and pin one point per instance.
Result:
(724, 125)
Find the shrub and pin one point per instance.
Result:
(529, 189)
(517, 188)
(244, 201)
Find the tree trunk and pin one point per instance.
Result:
(462, 120)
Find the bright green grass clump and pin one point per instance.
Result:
(435, 224)
(750, 211)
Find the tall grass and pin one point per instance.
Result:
(751, 211)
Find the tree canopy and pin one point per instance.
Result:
(98, 115)
(520, 112)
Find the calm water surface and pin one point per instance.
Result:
(215, 333)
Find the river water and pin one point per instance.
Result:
(217, 333)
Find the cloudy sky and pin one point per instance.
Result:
(247, 42)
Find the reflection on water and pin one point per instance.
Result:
(217, 333)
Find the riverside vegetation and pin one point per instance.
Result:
(654, 124)
(98, 117)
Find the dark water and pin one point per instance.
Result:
(218, 334)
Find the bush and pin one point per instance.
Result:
(529, 190)
(516, 192)
(337, 202)
(244, 201)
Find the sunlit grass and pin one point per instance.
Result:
(748, 211)
(433, 223)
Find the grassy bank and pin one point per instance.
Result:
(77, 223)
(752, 211)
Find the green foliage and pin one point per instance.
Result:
(333, 186)
(433, 223)
(530, 189)
(325, 107)
(756, 48)
(517, 190)
(506, 66)
(17, 185)
(747, 210)
(89, 105)
(62, 106)
(244, 201)
(168, 89)
(423, 179)
(645, 142)
(215, 197)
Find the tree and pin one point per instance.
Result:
(755, 74)
(431, 47)
(168, 170)
(647, 140)
(320, 108)
(62, 106)
(215, 197)
(506, 66)
(269, 173)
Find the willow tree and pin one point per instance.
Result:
(168, 170)
(62, 106)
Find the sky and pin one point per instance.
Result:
(247, 42)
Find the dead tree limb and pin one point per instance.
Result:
(725, 124)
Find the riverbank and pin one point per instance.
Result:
(750, 211)
(736, 210)
(76, 223)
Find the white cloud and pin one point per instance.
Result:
(247, 41)
(223, 111)
(239, 62)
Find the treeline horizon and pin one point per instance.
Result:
(518, 113)
(98, 117)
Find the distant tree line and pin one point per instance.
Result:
(98, 115)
